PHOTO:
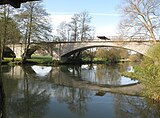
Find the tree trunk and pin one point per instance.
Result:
(1, 48)
(2, 96)
(28, 35)
(24, 57)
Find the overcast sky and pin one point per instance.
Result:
(104, 13)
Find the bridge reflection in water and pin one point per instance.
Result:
(69, 91)
(41, 70)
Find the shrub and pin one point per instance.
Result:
(148, 73)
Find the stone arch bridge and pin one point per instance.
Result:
(62, 50)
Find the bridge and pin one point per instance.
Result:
(62, 49)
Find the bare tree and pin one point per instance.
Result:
(80, 26)
(78, 29)
(34, 24)
(74, 27)
(85, 28)
(62, 31)
(8, 27)
(141, 18)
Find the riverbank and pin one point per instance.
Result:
(47, 60)
(133, 90)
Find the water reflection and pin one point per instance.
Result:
(24, 96)
(61, 93)
(101, 74)
(41, 70)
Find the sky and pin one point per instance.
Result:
(104, 13)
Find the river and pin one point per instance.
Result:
(71, 92)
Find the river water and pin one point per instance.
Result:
(67, 92)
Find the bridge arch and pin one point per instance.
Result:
(133, 46)
(42, 50)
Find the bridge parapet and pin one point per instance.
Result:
(128, 38)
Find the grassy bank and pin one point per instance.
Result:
(47, 60)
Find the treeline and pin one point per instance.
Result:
(110, 55)
(24, 25)
(78, 29)
(31, 23)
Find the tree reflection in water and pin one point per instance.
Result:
(99, 74)
(25, 97)
(75, 98)
(134, 106)
(26, 94)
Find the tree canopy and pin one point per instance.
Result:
(78, 29)
(33, 24)
(140, 18)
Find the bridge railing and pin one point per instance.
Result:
(128, 38)
(121, 38)
(96, 39)
(131, 38)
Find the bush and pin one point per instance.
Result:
(148, 73)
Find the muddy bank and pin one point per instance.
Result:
(134, 89)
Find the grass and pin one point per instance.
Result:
(10, 60)
(34, 59)
(40, 59)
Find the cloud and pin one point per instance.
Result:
(106, 31)
(101, 30)
(57, 19)
(95, 14)
(62, 13)
(104, 14)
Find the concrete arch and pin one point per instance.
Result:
(31, 50)
(19, 48)
(85, 48)
(67, 55)
(134, 46)
(35, 48)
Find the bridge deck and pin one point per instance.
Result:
(93, 41)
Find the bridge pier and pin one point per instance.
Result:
(63, 59)
(18, 49)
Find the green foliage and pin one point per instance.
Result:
(149, 73)
(9, 31)
(112, 55)
(88, 54)
(11, 61)
(101, 53)
(40, 59)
